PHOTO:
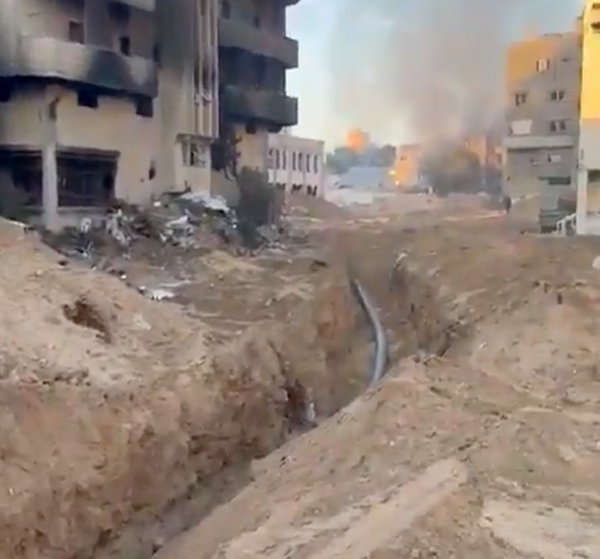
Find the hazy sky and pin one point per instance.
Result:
(319, 26)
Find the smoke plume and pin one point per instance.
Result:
(432, 66)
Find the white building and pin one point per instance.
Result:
(297, 164)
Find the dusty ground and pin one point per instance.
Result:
(134, 418)
(489, 451)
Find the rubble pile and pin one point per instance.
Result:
(189, 221)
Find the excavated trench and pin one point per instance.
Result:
(154, 461)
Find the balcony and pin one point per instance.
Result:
(539, 142)
(44, 57)
(240, 35)
(263, 106)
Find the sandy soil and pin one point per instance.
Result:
(127, 421)
(490, 450)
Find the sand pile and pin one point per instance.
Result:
(489, 451)
(113, 405)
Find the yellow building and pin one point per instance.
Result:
(588, 168)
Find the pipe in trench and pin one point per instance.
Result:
(378, 366)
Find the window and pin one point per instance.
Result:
(270, 162)
(277, 159)
(308, 160)
(520, 98)
(194, 152)
(284, 160)
(6, 91)
(294, 166)
(316, 164)
(156, 53)
(125, 45)
(86, 98)
(144, 107)
(225, 9)
(76, 34)
(558, 126)
(542, 65)
(557, 95)
(300, 162)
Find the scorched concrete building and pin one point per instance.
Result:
(254, 56)
(542, 117)
(131, 98)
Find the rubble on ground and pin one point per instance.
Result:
(167, 236)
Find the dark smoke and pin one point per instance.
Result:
(432, 66)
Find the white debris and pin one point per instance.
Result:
(214, 203)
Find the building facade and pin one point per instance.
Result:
(542, 112)
(406, 170)
(296, 165)
(128, 98)
(254, 56)
(588, 168)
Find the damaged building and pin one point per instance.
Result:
(254, 55)
(542, 117)
(104, 99)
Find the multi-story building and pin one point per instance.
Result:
(405, 171)
(297, 164)
(254, 55)
(542, 111)
(588, 168)
(126, 98)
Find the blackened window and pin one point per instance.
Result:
(144, 107)
(76, 33)
(125, 45)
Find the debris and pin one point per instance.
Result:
(157, 293)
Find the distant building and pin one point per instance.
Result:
(297, 164)
(357, 140)
(542, 86)
(406, 168)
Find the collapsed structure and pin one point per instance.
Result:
(129, 98)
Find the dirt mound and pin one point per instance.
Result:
(490, 450)
(442, 460)
(115, 406)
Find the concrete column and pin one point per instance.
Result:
(582, 198)
(96, 23)
(49, 167)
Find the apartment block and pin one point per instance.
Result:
(297, 164)
(254, 56)
(542, 79)
(101, 99)
(129, 98)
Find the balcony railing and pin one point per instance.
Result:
(266, 106)
(238, 34)
(45, 57)
(538, 142)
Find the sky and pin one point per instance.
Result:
(319, 26)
